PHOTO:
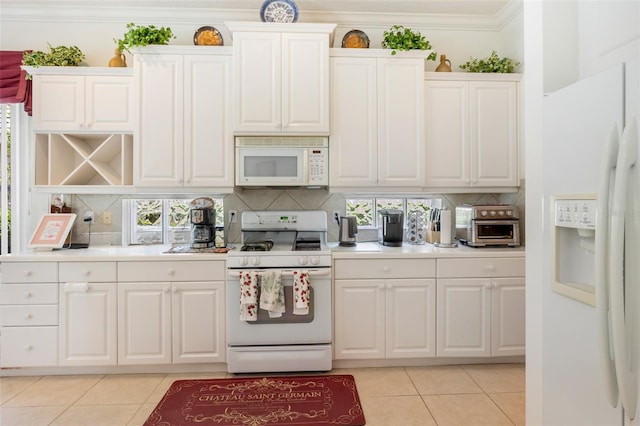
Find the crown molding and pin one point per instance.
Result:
(95, 12)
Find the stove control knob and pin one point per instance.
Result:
(315, 260)
(244, 261)
(255, 261)
(484, 213)
(303, 260)
(492, 213)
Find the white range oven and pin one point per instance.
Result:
(288, 243)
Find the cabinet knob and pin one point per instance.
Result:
(27, 273)
(174, 290)
(28, 294)
(167, 289)
(171, 271)
(86, 272)
(491, 268)
(28, 348)
(381, 287)
(386, 269)
(28, 316)
(487, 286)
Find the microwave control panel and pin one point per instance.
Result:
(318, 158)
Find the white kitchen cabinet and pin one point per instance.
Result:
(29, 314)
(384, 308)
(82, 99)
(471, 131)
(377, 117)
(281, 82)
(481, 307)
(88, 313)
(184, 136)
(171, 312)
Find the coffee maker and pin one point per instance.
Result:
(203, 222)
(390, 228)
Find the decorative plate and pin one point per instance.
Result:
(282, 11)
(208, 36)
(355, 39)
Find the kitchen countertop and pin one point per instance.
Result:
(158, 252)
(374, 249)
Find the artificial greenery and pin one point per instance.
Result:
(400, 38)
(491, 64)
(60, 56)
(138, 35)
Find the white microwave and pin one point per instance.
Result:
(282, 161)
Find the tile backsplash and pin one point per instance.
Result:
(257, 199)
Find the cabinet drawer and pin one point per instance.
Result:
(29, 272)
(28, 315)
(28, 294)
(384, 268)
(87, 272)
(29, 346)
(171, 271)
(481, 267)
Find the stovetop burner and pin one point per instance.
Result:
(257, 246)
(306, 244)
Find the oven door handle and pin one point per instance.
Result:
(233, 273)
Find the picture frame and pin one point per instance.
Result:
(52, 230)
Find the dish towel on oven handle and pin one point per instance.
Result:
(248, 295)
(272, 293)
(301, 292)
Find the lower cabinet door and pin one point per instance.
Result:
(508, 308)
(144, 323)
(88, 333)
(464, 317)
(198, 322)
(411, 318)
(29, 347)
(359, 319)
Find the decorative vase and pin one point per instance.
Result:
(119, 60)
(445, 64)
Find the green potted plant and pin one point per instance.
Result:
(400, 38)
(138, 36)
(60, 56)
(491, 64)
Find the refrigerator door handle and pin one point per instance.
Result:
(627, 380)
(603, 223)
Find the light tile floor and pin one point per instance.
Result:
(459, 395)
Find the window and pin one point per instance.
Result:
(164, 221)
(366, 209)
(5, 179)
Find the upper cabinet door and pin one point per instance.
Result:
(208, 133)
(58, 102)
(257, 83)
(493, 127)
(281, 83)
(109, 103)
(158, 154)
(354, 117)
(401, 122)
(447, 133)
(305, 83)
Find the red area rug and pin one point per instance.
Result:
(261, 401)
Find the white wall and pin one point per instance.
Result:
(93, 30)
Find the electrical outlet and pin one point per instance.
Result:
(106, 218)
(233, 216)
(89, 217)
(336, 216)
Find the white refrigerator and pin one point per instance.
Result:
(591, 354)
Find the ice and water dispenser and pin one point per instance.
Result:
(573, 246)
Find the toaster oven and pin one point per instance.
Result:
(488, 225)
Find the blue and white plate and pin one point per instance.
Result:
(281, 11)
